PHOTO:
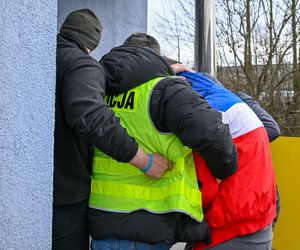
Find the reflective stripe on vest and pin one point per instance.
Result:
(120, 187)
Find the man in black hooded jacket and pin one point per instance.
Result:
(82, 118)
(176, 108)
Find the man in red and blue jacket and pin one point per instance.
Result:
(240, 210)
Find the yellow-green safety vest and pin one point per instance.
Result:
(121, 187)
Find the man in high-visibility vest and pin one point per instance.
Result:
(241, 210)
(163, 113)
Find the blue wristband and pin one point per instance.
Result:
(145, 169)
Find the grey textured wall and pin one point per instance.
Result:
(120, 18)
(27, 87)
(27, 92)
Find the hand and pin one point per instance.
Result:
(182, 77)
(178, 68)
(159, 166)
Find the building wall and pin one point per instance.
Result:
(27, 87)
(119, 19)
(27, 93)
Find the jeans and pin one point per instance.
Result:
(261, 240)
(112, 244)
(70, 227)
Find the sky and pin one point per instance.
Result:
(157, 8)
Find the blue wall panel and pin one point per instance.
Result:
(119, 18)
(27, 88)
(27, 93)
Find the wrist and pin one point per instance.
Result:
(149, 164)
(141, 159)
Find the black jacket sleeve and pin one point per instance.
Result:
(268, 121)
(176, 108)
(87, 113)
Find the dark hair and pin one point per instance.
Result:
(143, 40)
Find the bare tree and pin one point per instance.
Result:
(258, 50)
(175, 26)
(258, 35)
(294, 108)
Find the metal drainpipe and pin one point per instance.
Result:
(205, 37)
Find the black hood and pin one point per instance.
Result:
(129, 66)
(66, 40)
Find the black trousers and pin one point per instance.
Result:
(70, 227)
